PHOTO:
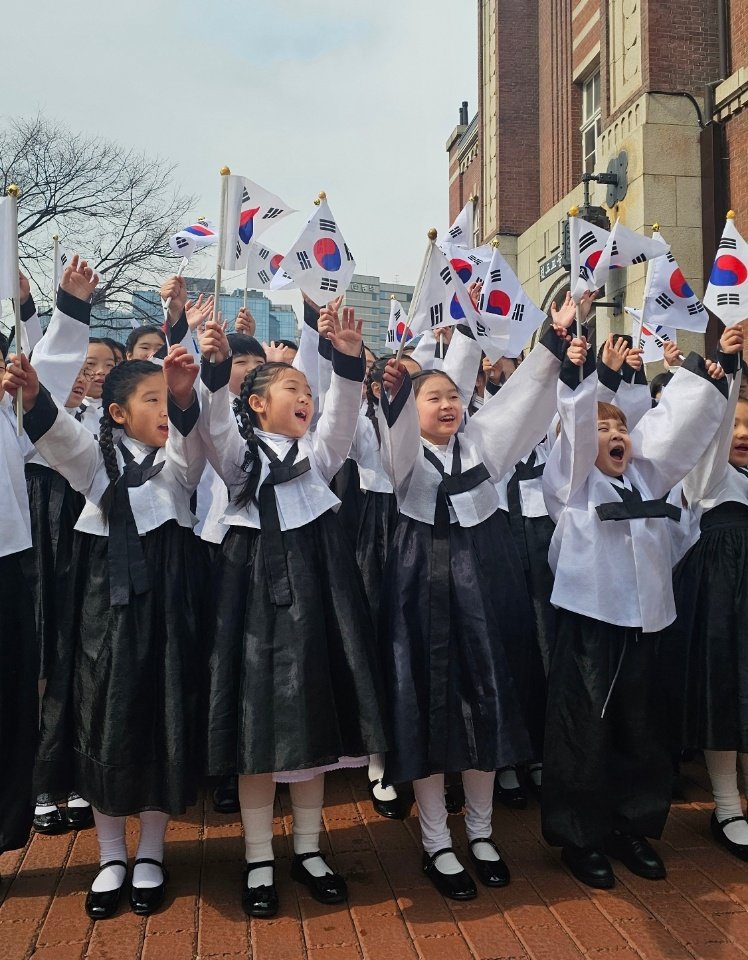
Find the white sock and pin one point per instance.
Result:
(153, 824)
(41, 808)
(478, 811)
(723, 772)
(376, 772)
(536, 774)
(77, 802)
(432, 816)
(508, 779)
(307, 797)
(110, 832)
(256, 799)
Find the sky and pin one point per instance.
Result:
(353, 98)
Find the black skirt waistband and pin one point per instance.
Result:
(725, 515)
(38, 470)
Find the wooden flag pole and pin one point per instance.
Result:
(225, 172)
(574, 212)
(14, 192)
(246, 284)
(55, 267)
(432, 235)
(167, 303)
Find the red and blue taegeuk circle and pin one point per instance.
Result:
(679, 285)
(498, 303)
(275, 262)
(327, 254)
(728, 271)
(247, 224)
(401, 329)
(462, 268)
(455, 309)
(592, 261)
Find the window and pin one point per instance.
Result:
(590, 121)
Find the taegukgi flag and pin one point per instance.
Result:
(250, 210)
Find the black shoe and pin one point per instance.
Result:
(589, 866)
(101, 906)
(637, 854)
(146, 900)
(739, 850)
(454, 798)
(330, 888)
(259, 901)
(391, 809)
(52, 823)
(536, 788)
(456, 886)
(79, 818)
(492, 873)
(226, 796)
(513, 797)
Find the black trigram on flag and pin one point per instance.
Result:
(476, 260)
(614, 249)
(728, 299)
(695, 309)
(348, 254)
(327, 283)
(495, 276)
(728, 243)
(446, 276)
(664, 301)
(272, 212)
(398, 314)
(518, 313)
(304, 262)
(436, 313)
(390, 336)
(455, 232)
(327, 225)
(481, 301)
(238, 250)
(64, 256)
(669, 257)
(263, 276)
(182, 242)
(481, 330)
(586, 241)
(640, 259)
(245, 196)
(264, 253)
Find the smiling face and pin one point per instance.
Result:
(739, 447)
(285, 406)
(78, 392)
(241, 365)
(146, 346)
(439, 408)
(613, 447)
(143, 415)
(99, 363)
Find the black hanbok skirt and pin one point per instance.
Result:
(706, 651)
(120, 713)
(19, 710)
(455, 635)
(54, 507)
(375, 532)
(346, 487)
(291, 687)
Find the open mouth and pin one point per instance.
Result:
(617, 454)
(164, 429)
(741, 448)
(301, 415)
(447, 418)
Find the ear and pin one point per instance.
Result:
(117, 413)
(257, 404)
(376, 389)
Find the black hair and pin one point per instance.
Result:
(375, 374)
(114, 345)
(118, 387)
(243, 345)
(659, 383)
(419, 379)
(257, 382)
(140, 332)
(4, 345)
(105, 342)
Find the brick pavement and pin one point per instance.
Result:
(394, 913)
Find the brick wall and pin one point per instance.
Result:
(738, 27)
(736, 166)
(681, 48)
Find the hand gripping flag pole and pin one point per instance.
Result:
(225, 173)
(14, 192)
(432, 235)
(165, 304)
(574, 250)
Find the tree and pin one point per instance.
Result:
(114, 206)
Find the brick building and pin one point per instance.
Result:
(649, 89)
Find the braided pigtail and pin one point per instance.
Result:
(106, 442)
(375, 374)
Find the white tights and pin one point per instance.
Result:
(723, 772)
(110, 832)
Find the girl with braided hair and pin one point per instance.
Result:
(292, 671)
(125, 687)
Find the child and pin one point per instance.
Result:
(710, 636)
(291, 670)
(606, 775)
(143, 342)
(455, 608)
(19, 652)
(132, 618)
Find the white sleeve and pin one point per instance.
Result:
(710, 469)
(337, 424)
(669, 440)
(462, 363)
(61, 353)
(400, 431)
(31, 328)
(307, 356)
(224, 445)
(185, 450)
(424, 352)
(574, 451)
(626, 390)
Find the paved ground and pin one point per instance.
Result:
(394, 913)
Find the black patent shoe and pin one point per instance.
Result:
(589, 866)
(491, 873)
(455, 886)
(226, 796)
(50, 824)
(514, 798)
(101, 906)
(79, 818)
(637, 854)
(146, 900)
(331, 888)
(391, 809)
(261, 901)
(739, 850)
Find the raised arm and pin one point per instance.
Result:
(185, 450)
(463, 361)
(399, 426)
(31, 328)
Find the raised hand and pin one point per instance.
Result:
(24, 287)
(672, 353)
(180, 373)
(563, 317)
(198, 312)
(732, 338)
(175, 290)
(344, 334)
(245, 322)
(78, 279)
(277, 352)
(615, 352)
(394, 374)
(634, 358)
(577, 351)
(585, 304)
(20, 374)
(213, 342)
(714, 370)
(474, 292)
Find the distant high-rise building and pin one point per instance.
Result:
(370, 298)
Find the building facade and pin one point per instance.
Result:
(370, 298)
(650, 90)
